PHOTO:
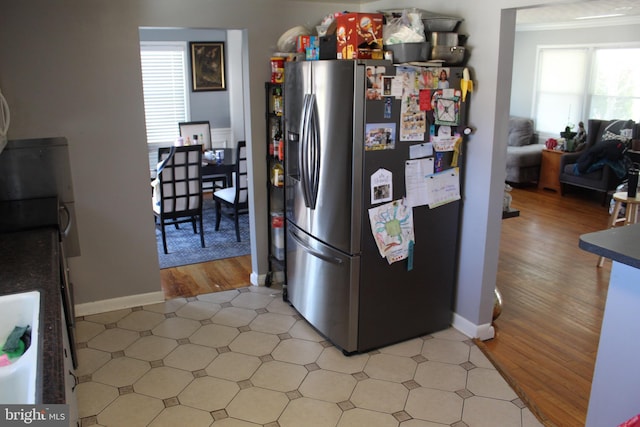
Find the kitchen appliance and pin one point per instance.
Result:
(336, 277)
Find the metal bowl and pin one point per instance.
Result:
(440, 23)
(443, 38)
(431, 21)
(449, 54)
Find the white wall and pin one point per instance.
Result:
(208, 105)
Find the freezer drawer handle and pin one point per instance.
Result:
(314, 252)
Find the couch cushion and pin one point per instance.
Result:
(520, 131)
(525, 156)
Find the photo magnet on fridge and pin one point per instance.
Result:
(380, 136)
(387, 83)
(381, 186)
(375, 84)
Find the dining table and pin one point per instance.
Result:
(212, 166)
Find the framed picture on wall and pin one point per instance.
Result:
(207, 66)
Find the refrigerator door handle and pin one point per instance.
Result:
(314, 252)
(309, 154)
(303, 160)
(314, 152)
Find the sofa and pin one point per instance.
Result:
(524, 153)
(602, 164)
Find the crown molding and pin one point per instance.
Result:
(576, 24)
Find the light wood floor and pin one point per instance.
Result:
(212, 276)
(547, 335)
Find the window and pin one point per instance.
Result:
(615, 88)
(164, 82)
(579, 83)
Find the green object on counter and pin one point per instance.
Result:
(13, 342)
(19, 351)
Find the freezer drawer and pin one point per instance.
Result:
(322, 284)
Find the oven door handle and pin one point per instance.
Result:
(63, 208)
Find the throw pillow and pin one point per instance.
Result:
(616, 126)
(520, 132)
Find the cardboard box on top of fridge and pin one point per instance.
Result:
(306, 42)
(356, 31)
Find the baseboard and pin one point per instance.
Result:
(120, 303)
(260, 279)
(482, 332)
(257, 279)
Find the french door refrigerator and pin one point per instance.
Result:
(336, 277)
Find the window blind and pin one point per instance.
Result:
(164, 82)
(578, 83)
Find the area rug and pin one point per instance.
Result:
(184, 246)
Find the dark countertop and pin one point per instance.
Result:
(29, 260)
(621, 244)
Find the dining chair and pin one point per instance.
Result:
(202, 130)
(235, 198)
(178, 189)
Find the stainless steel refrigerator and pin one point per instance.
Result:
(335, 276)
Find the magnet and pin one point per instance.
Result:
(410, 256)
(387, 108)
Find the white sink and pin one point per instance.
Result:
(18, 380)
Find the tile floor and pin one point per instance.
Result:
(244, 358)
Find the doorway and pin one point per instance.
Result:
(222, 108)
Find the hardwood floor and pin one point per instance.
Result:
(553, 300)
(547, 334)
(212, 276)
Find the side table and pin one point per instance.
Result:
(550, 169)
